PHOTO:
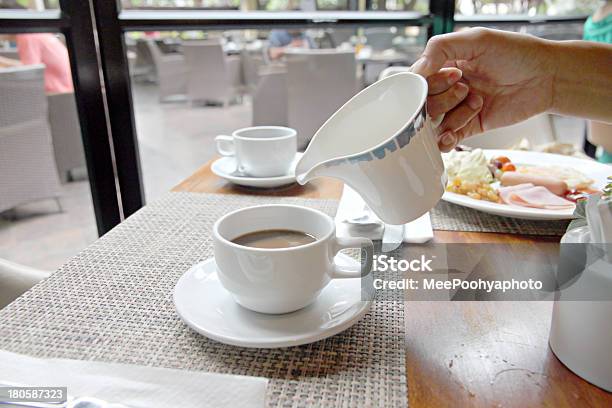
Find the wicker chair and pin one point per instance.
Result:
(171, 71)
(319, 82)
(143, 67)
(270, 97)
(27, 163)
(66, 135)
(15, 279)
(251, 63)
(212, 76)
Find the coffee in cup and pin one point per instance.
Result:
(275, 238)
(261, 151)
(281, 277)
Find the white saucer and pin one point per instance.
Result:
(225, 167)
(205, 306)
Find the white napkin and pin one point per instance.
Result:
(132, 385)
(417, 232)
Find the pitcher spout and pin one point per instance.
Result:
(303, 176)
(307, 170)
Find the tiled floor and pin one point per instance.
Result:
(175, 139)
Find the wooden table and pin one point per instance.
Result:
(489, 354)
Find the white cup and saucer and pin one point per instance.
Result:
(259, 156)
(275, 297)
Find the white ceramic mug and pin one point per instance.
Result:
(281, 280)
(261, 151)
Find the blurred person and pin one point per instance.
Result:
(482, 79)
(44, 49)
(598, 27)
(280, 40)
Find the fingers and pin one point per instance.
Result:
(449, 139)
(462, 114)
(444, 102)
(461, 122)
(443, 80)
(462, 45)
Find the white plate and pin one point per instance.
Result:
(205, 306)
(595, 170)
(225, 167)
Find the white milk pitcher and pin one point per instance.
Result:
(383, 145)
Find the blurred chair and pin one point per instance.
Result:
(11, 53)
(270, 97)
(171, 71)
(318, 83)
(143, 67)
(212, 76)
(251, 63)
(340, 35)
(379, 39)
(15, 279)
(66, 135)
(27, 163)
(537, 130)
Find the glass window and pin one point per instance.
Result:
(203, 4)
(531, 8)
(280, 5)
(421, 6)
(36, 5)
(550, 31)
(189, 87)
(46, 212)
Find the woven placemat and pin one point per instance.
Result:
(451, 217)
(113, 303)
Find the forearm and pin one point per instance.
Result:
(582, 85)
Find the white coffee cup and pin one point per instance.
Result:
(261, 151)
(281, 280)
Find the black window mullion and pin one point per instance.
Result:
(92, 116)
(120, 107)
(443, 16)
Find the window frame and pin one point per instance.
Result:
(94, 32)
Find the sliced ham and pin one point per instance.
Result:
(554, 185)
(506, 192)
(538, 197)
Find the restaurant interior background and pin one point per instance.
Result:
(156, 80)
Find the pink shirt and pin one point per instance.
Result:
(47, 49)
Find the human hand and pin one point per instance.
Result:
(509, 78)
(445, 92)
